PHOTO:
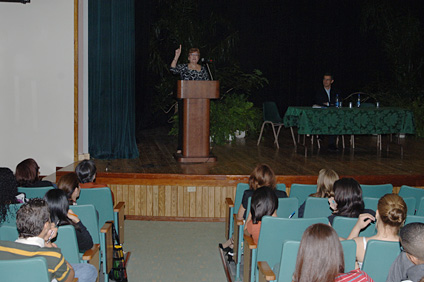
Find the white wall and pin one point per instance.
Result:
(37, 83)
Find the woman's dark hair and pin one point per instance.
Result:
(27, 172)
(8, 191)
(86, 171)
(58, 206)
(68, 183)
(348, 196)
(264, 202)
(319, 243)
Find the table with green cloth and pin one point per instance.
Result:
(352, 121)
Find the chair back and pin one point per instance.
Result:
(270, 112)
(11, 215)
(349, 253)
(29, 270)
(286, 207)
(420, 210)
(317, 207)
(274, 231)
(241, 187)
(302, 191)
(101, 198)
(34, 192)
(408, 191)
(66, 240)
(8, 233)
(372, 204)
(379, 257)
(414, 218)
(376, 191)
(343, 226)
(88, 216)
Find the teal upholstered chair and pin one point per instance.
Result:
(34, 192)
(8, 233)
(408, 191)
(25, 270)
(233, 207)
(286, 207)
(414, 218)
(302, 191)
(317, 207)
(272, 117)
(11, 215)
(101, 198)
(420, 210)
(378, 258)
(283, 272)
(376, 191)
(274, 231)
(343, 226)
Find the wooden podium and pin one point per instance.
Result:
(196, 95)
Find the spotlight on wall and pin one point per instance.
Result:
(17, 1)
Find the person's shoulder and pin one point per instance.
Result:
(42, 183)
(280, 194)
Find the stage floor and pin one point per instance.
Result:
(156, 150)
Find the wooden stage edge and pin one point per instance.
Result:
(202, 198)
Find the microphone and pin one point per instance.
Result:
(207, 61)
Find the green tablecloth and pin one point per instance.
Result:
(339, 121)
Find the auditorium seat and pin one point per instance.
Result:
(343, 226)
(317, 207)
(408, 191)
(376, 191)
(302, 191)
(29, 270)
(34, 192)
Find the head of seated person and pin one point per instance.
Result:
(391, 213)
(70, 185)
(347, 199)
(325, 182)
(264, 202)
(86, 171)
(33, 219)
(412, 240)
(8, 191)
(262, 175)
(27, 173)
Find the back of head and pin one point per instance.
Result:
(325, 182)
(320, 257)
(31, 217)
(392, 210)
(68, 183)
(262, 175)
(8, 191)
(264, 202)
(348, 196)
(27, 172)
(58, 206)
(86, 171)
(412, 239)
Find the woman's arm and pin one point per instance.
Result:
(85, 242)
(363, 221)
(177, 55)
(241, 212)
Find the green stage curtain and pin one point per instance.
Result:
(111, 70)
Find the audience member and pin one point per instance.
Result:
(70, 184)
(320, 258)
(8, 191)
(61, 214)
(390, 216)
(28, 175)
(409, 265)
(262, 175)
(86, 171)
(264, 202)
(347, 200)
(326, 178)
(35, 232)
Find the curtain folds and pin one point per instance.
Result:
(111, 72)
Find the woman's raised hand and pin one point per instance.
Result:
(72, 216)
(178, 53)
(364, 220)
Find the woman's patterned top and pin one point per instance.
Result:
(189, 74)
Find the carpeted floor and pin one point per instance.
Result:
(174, 251)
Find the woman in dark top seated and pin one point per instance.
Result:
(347, 200)
(28, 175)
(60, 213)
(8, 191)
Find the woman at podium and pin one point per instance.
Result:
(192, 70)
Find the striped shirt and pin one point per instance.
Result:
(354, 276)
(56, 264)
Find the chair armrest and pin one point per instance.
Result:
(238, 221)
(119, 214)
(89, 254)
(265, 272)
(106, 231)
(229, 202)
(249, 242)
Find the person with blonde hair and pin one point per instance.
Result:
(320, 258)
(325, 181)
(390, 217)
